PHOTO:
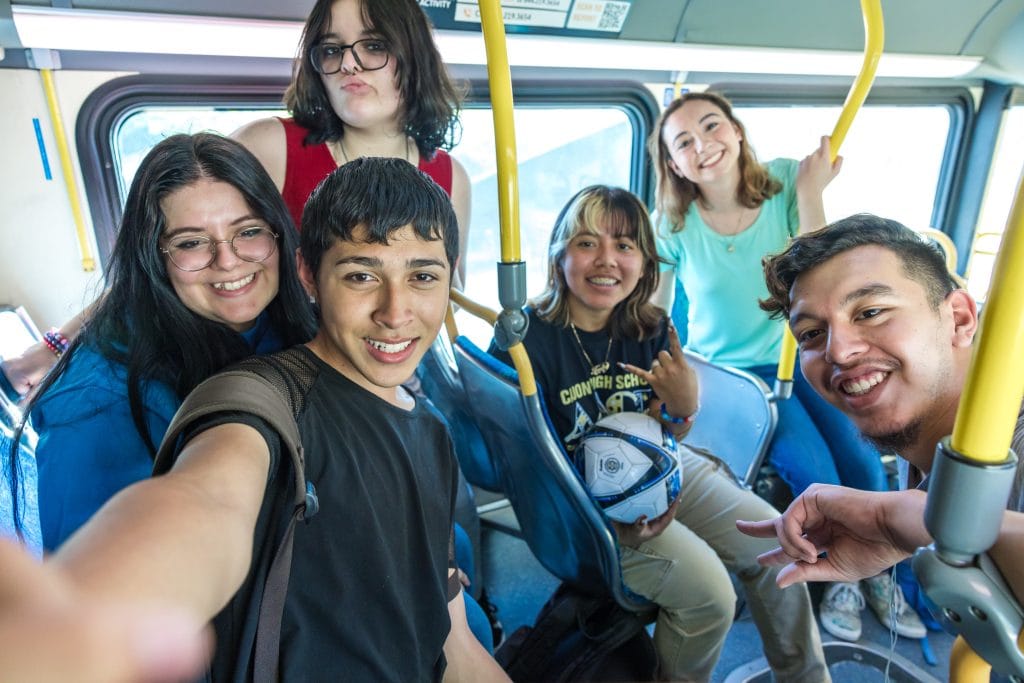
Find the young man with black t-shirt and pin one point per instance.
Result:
(373, 593)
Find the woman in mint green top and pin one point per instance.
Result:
(720, 211)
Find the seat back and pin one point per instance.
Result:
(737, 417)
(560, 522)
(439, 379)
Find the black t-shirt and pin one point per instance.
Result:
(576, 398)
(368, 591)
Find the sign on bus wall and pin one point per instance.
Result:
(596, 18)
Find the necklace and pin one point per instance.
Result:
(730, 237)
(344, 153)
(594, 369)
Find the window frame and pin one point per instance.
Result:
(956, 99)
(110, 104)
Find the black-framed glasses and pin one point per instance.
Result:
(370, 54)
(195, 252)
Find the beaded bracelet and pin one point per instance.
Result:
(56, 342)
(688, 420)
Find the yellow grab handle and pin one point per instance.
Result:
(995, 382)
(874, 41)
(70, 183)
(500, 76)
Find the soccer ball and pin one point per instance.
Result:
(632, 466)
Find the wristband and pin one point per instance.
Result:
(56, 342)
(688, 420)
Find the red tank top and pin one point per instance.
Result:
(306, 166)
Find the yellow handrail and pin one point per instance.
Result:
(70, 183)
(499, 76)
(520, 359)
(874, 41)
(995, 385)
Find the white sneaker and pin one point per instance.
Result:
(879, 591)
(840, 611)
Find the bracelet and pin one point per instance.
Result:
(688, 420)
(56, 342)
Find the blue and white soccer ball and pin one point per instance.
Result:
(632, 466)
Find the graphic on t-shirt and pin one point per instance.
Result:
(628, 400)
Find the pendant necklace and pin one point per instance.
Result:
(594, 369)
(730, 239)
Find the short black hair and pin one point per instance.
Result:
(381, 195)
(922, 260)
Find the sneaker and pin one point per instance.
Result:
(840, 610)
(879, 593)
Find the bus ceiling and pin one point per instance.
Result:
(655, 40)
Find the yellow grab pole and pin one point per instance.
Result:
(500, 77)
(995, 384)
(874, 41)
(70, 183)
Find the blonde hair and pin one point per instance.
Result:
(674, 194)
(623, 215)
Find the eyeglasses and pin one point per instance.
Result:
(370, 54)
(195, 252)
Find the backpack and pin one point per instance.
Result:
(580, 637)
(244, 388)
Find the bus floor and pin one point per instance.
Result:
(519, 586)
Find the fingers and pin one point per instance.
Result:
(674, 345)
(763, 529)
(639, 372)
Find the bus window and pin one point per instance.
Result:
(560, 151)
(143, 128)
(892, 155)
(995, 208)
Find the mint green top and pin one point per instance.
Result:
(725, 323)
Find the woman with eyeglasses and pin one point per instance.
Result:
(202, 275)
(369, 81)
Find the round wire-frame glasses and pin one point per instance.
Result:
(195, 252)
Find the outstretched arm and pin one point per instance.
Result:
(48, 634)
(184, 538)
(467, 659)
(816, 172)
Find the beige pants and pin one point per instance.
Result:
(685, 572)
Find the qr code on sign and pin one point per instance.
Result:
(613, 16)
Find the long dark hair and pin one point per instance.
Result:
(674, 194)
(430, 101)
(140, 322)
(625, 216)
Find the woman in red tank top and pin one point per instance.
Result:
(370, 82)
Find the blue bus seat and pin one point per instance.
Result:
(563, 526)
(737, 417)
(439, 379)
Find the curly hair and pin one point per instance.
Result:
(674, 194)
(430, 99)
(922, 261)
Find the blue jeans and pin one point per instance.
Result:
(815, 443)
(475, 616)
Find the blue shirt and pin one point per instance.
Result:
(89, 448)
(28, 503)
(724, 280)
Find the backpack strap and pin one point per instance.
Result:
(246, 391)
